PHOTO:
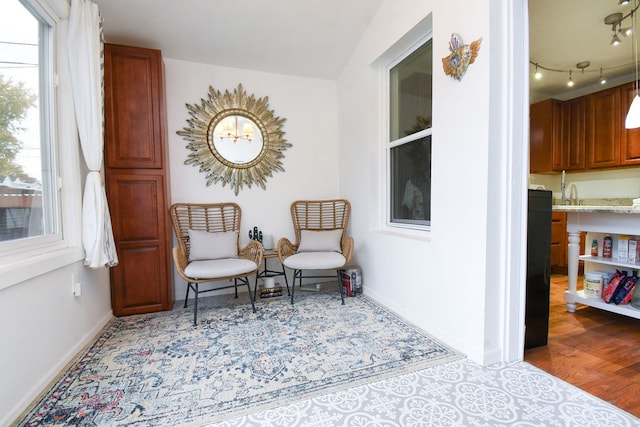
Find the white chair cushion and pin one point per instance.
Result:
(320, 241)
(214, 268)
(315, 260)
(204, 245)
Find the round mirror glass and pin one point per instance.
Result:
(238, 139)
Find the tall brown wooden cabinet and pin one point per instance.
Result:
(137, 179)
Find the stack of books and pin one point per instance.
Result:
(275, 291)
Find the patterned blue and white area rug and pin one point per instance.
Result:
(160, 370)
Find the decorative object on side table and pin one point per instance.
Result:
(461, 56)
(255, 234)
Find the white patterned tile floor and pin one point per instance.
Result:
(459, 393)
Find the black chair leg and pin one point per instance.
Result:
(246, 279)
(255, 289)
(340, 286)
(293, 286)
(187, 297)
(297, 274)
(195, 309)
(286, 281)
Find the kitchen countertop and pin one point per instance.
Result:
(622, 206)
(591, 209)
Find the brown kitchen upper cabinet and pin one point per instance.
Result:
(136, 179)
(604, 130)
(544, 126)
(584, 133)
(630, 140)
(569, 148)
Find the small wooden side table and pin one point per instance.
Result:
(269, 253)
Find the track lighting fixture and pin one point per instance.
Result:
(618, 29)
(615, 40)
(626, 32)
(603, 79)
(616, 20)
(537, 75)
(582, 66)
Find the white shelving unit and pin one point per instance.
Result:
(626, 309)
(621, 265)
(596, 221)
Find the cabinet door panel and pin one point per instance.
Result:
(133, 100)
(139, 276)
(558, 256)
(604, 129)
(630, 141)
(558, 239)
(139, 283)
(136, 206)
(569, 150)
(543, 117)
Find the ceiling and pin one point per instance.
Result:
(566, 32)
(308, 38)
(315, 38)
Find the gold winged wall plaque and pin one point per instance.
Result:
(461, 56)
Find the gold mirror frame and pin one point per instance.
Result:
(200, 133)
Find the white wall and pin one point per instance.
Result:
(43, 327)
(311, 164)
(438, 280)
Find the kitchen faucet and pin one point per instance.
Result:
(573, 195)
(563, 187)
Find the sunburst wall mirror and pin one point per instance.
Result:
(234, 139)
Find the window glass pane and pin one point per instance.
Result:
(22, 123)
(411, 182)
(410, 85)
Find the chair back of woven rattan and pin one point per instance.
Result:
(210, 217)
(317, 215)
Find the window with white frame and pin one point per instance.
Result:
(409, 143)
(29, 198)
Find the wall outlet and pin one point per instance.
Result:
(76, 286)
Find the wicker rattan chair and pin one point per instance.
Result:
(214, 228)
(321, 239)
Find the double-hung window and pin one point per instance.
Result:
(29, 196)
(409, 141)
(40, 190)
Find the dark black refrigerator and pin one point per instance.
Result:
(538, 269)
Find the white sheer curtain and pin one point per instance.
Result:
(84, 41)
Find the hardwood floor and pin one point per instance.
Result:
(596, 351)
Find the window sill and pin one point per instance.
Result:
(27, 265)
(422, 235)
